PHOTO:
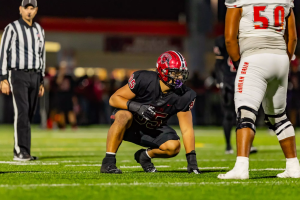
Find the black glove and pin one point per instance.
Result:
(236, 64)
(192, 163)
(145, 111)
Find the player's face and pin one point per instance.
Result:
(176, 75)
(28, 12)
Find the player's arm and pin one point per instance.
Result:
(186, 126)
(291, 34)
(232, 21)
(122, 99)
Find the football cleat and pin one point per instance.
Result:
(141, 157)
(289, 174)
(227, 152)
(253, 150)
(110, 169)
(23, 156)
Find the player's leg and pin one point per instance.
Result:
(250, 87)
(274, 105)
(229, 116)
(122, 121)
(168, 149)
(165, 144)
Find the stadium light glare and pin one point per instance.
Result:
(52, 47)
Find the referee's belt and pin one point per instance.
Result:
(26, 70)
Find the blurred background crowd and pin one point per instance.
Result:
(94, 46)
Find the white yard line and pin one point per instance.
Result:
(207, 168)
(267, 169)
(84, 165)
(152, 184)
(28, 163)
(129, 167)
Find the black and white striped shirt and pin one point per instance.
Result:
(22, 47)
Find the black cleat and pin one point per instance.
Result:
(110, 169)
(22, 156)
(253, 150)
(109, 166)
(141, 157)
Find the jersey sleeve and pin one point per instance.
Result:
(188, 101)
(233, 3)
(137, 82)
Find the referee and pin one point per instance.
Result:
(22, 68)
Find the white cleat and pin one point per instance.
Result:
(228, 152)
(289, 174)
(235, 174)
(240, 170)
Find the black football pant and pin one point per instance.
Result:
(25, 89)
(229, 113)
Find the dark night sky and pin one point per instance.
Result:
(113, 9)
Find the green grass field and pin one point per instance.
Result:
(70, 161)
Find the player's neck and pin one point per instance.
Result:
(164, 88)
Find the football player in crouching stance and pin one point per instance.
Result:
(267, 41)
(143, 108)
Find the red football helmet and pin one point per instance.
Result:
(172, 69)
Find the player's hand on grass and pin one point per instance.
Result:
(41, 91)
(4, 86)
(145, 111)
(192, 163)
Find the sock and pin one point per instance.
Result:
(147, 154)
(242, 163)
(292, 163)
(144, 158)
(110, 155)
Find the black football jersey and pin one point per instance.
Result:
(145, 85)
(224, 68)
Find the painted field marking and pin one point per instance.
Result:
(27, 163)
(267, 169)
(152, 184)
(207, 168)
(132, 167)
(84, 165)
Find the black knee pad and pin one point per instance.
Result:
(246, 118)
(281, 123)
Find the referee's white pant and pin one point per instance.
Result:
(25, 89)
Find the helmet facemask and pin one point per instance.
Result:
(176, 78)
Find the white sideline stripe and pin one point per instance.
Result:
(207, 168)
(151, 184)
(84, 165)
(129, 167)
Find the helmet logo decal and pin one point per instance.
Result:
(165, 58)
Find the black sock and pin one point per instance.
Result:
(144, 158)
(108, 155)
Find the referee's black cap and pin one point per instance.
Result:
(29, 2)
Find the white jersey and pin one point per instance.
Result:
(262, 25)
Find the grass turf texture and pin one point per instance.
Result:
(70, 161)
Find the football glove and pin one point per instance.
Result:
(145, 111)
(236, 64)
(192, 163)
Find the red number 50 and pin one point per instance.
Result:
(278, 17)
